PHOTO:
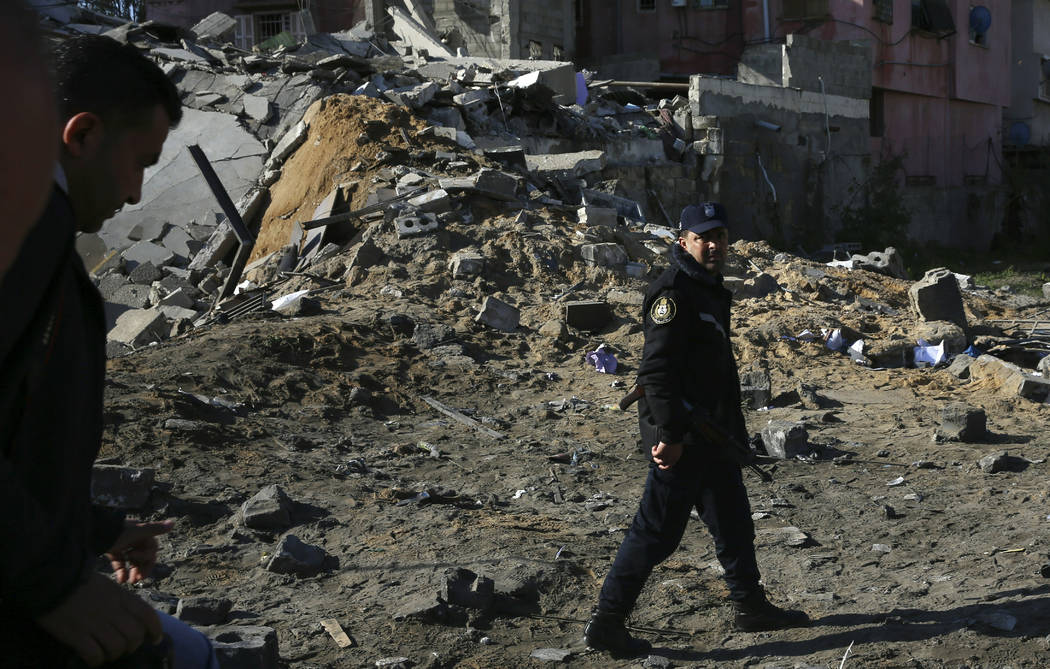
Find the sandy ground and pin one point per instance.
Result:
(334, 413)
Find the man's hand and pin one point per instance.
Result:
(102, 621)
(134, 553)
(667, 455)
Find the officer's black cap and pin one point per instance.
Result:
(699, 218)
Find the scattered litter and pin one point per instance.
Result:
(927, 354)
(285, 300)
(602, 360)
(880, 548)
(335, 630)
(895, 482)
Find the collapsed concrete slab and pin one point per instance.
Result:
(576, 164)
(1010, 378)
(174, 192)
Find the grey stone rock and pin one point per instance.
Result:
(466, 264)
(605, 254)
(138, 327)
(428, 335)
(785, 439)
(204, 610)
(1001, 461)
(292, 556)
(498, 314)
(936, 297)
(934, 332)
(145, 274)
(119, 487)
(960, 366)
(960, 422)
(269, 509)
(245, 647)
(131, 295)
(888, 262)
(587, 315)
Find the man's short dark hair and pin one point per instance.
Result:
(112, 80)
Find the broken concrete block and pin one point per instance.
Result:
(300, 306)
(587, 315)
(413, 97)
(888, 262)
(596, 216)
(510, 157)
(179, 242)
(498, 314)
(110, 284)
(257, 108)
(606, 254)
(138, 327)
(960, 367)
(758, 286)
(245, 647)
(554, 655)
(1010, 378)
(144, 251)
(472, 98)
(131, 295)
(219, 245)
(448, 117)
(554, 329)
(1043, 366)
(960, 422)
(756, 388)
(291, 141)
(498, 184)
(177, 298)
(176, 315)
(1001, 462)
(204, 610)
(785, 439)
(566, 164)
(145, 274)
(425, 608)
(466, 264)
(118, 487)
(434, 202)
(935, 332)
(292, 556)
(936, 297)
(269, 509)
(412, 225)
(462, 587)
(214, 26)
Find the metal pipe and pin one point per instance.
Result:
(765, 17)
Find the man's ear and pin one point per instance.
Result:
(82, 134)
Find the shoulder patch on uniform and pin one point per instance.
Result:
(663, 310)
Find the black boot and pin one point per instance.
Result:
(606, 631)
(756, 614)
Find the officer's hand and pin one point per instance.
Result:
(667, 455)
(102, 621)
(134, 553)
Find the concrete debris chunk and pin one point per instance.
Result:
(119, 487)
(960, 366)
(1001, 461)
(551, 654)
(756, 387)
(245, 647)
(214, 26)
(935, 332)
(785, 439)
(177, 298)
(219, 245)
(292, 556)
(145, 251)
(204, 610)
(596, 216)
(138, 327)
(961, 422)
(1011, 379)
(888, 262)
(434, 202)
(605, 254)
(936, 297)
(269, 509)
(413, 225)
(569, 165)
(466, 264)
(587, 315)
(131, 295)
(145, 274)
(291, 141)
(413, 97)
(257, 108)
(498, 314)
(462, 587)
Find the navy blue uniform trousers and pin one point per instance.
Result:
(716, 489)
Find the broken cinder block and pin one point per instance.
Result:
(936, 297)
(139, 327)
(785, 439)
(498, 314)
(587, 315)
(245, 646)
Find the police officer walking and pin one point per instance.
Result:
(688, 369)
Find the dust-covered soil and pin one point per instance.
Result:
(900, 548)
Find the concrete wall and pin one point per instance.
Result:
(1031, 41)
(543, 29)
(784, 184)
(329, 15)
(686, 40)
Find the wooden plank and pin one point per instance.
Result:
(335, 630)
(466, 420)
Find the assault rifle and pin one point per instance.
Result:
(711, 432)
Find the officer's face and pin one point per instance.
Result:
(709, 248)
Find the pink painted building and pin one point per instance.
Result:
(938, 86)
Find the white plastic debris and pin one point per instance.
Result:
(927, 354)
(285, 300)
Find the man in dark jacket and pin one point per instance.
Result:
(55, 609)
(688, 370)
